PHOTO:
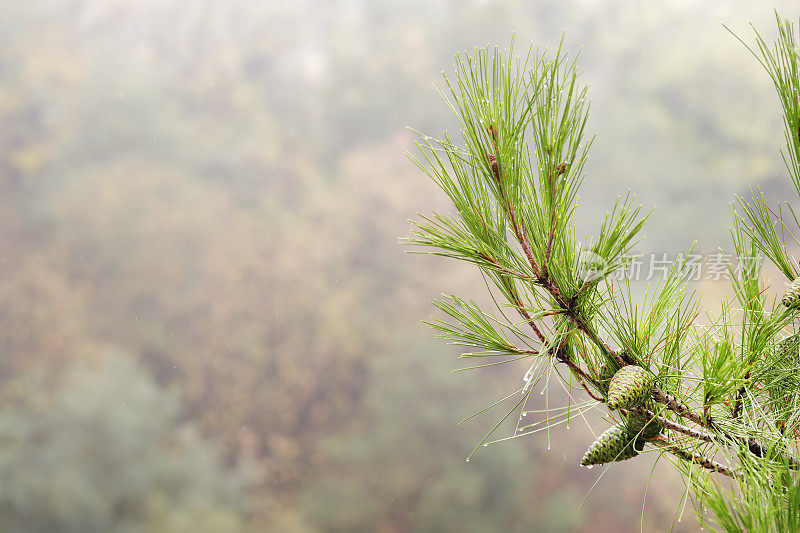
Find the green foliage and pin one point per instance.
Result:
(474, 328)
(722, 371)
(726, 391)
(781, 63)
(768, 502)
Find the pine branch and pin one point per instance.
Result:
(677, 407)
(515, 298)
(752, 444)
(737, 404)
(520, 231)
(699, 435)
(694, 457)
(743, 388)
(567, 306)
(581, 376)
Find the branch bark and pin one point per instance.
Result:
(694, 458)
(568, 306)
(680, 428)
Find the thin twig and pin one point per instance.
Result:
(552, 233)
(680, 428)
(694, 457)
(580, 375)
(755, 447)
(527, 316)
(520, 231)
(678, 407)
(737, 405)
(517, 301)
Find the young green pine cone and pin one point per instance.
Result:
(629, 387)
(614, 444)
(643, 430)
(792, 297)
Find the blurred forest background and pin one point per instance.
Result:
(207, 321)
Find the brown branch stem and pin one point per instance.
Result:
(753, 445)
(737, 405)
(580, 375)
(680, 428)
(528, 318)
(517, 301)
(678, 407)
(694, 457)
(520, 231)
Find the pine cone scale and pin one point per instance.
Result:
(615, 444)
(792, 297)
(629, 387)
